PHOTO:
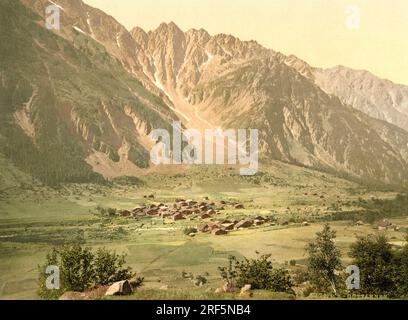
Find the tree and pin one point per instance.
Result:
(383, 269)
(324, 261)
(374, 257)
(400, 272)
(42, 291)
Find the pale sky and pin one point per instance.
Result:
(313, 30)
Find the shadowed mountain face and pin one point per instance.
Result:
(67, 105)
(89, 94)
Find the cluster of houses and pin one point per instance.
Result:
(224, 226)
(181, 209)
(205, 211)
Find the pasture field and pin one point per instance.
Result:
(34, 219)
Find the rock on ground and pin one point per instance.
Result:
(121, 288)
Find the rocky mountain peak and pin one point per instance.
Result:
(304, 114)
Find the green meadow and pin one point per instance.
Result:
(34, 218)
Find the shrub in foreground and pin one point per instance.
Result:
(259, 273)
(81, 269)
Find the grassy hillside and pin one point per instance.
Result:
(60, 101)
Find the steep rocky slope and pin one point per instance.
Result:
(69, 108)
(379, 98)
(231, 83)
(305, 115)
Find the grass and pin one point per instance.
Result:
(150, 294)
(35, 219)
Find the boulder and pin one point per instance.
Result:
(121, 288)
(239, 206)
(246, 291)
(205, 216)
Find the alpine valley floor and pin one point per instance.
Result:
(34, 218)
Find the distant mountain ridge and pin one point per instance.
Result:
(134, 81)
(379, 98)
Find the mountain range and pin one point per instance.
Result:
(78, 104)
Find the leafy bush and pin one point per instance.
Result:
(383, 269)
(200, 280)
(76, 268)
(109, 267)
(259, 273)
(80, 269)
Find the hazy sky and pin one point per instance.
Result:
(314, 30)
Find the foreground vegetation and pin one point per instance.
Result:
(382, 272)
(80, 269)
